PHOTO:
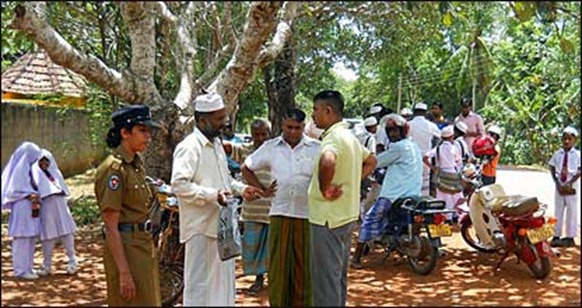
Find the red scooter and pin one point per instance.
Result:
(505, 224)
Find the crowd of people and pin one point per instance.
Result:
(302, 195)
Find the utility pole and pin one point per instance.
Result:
(473, 94)
(399, 92)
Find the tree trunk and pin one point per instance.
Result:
(135, 85)
(280, 85)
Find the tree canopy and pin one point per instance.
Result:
(521, 60)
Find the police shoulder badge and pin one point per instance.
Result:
(113, 182)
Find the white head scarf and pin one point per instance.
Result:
(16, 176)
(45, 186)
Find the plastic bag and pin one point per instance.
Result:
(229, 239)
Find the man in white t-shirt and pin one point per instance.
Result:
(423, 132)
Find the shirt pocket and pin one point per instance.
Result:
(137, 193)
(305, 164)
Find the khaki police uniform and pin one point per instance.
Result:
(120, 185)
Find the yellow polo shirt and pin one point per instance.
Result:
(350, 156)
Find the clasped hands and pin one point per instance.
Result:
(250, 193)
(35, 200)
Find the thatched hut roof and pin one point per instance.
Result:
(35, 73)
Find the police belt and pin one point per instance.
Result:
(127, 227)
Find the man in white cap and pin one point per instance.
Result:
(447, 160)
(368, 136)
(425, 134)
(406, 113)
(202, 183)
(565, 169)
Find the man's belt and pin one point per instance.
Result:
(127, 227)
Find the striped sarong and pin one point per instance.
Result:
(255, 248)
(289, 262)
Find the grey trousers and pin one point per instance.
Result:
(330, 252)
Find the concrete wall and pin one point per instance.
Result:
(65, 133)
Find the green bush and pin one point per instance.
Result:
(85, 211)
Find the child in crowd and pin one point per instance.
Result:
(490, 169)
(21, 199)
(56, 221)
(565, 169)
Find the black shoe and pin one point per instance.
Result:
(568, 242)
(556, 242)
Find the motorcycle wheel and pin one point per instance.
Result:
(171, 284)
(426, 261)
(541, 267)
(468, 234)
(171, 268)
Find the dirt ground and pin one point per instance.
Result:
(462, 277)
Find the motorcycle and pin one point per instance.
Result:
(164, 216)
(507, 224)
(414, 225)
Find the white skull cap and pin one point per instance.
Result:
(370, 121)
(406, 112)
(460, 125)
(571, 130)
(208, 102)
(447, 131)
(420, 106)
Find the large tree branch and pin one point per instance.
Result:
(141, 23)
(165, 12)
(63, 54)
(188, 45)
(261, 21)
(228, 25)
(281, 36)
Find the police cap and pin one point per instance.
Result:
(137, 114)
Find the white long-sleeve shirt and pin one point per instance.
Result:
(422, 131)
(199, 171)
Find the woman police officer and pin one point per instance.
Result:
(131, 266)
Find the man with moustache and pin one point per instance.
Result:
(201, 181)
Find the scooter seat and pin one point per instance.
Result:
(515, 205)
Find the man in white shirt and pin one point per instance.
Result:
(447, 158)
(422, 132)
(202, 183)
(290, 159)
(368, 136)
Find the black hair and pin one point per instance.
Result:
(438, 104)
(466, 101)
(294, 114)
(332, 98)
(114, 134)
(386, 111)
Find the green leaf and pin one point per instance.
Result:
(448, 19)
(524, 10)
(566, 45)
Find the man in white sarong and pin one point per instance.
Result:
(202, 183)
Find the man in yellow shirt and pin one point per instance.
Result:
(334, 194)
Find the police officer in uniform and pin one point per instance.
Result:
(131, 265)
